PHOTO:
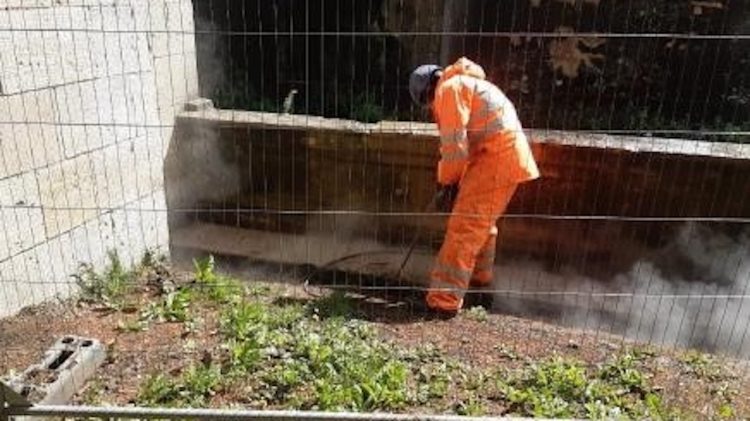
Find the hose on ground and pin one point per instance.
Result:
(329, 265)
(407, 256)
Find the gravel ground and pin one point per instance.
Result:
(475, 338)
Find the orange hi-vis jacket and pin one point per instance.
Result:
(475, 117)
(484, 149)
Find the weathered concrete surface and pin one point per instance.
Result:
(88, 94)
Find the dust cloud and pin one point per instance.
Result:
(691, 294)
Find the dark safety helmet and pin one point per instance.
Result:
(422, 82)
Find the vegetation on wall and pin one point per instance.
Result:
(353, 62)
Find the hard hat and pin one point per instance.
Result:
(420, 82)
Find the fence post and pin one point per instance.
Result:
(10, 399)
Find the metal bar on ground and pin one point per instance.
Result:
(225, 414)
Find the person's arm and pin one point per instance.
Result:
(453, 106)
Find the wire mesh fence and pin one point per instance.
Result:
(312, 172)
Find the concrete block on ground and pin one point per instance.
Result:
(65, 368)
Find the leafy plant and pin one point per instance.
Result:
(153, 259)
(565, 388)
(624, 373)
(173, 308)
(108, 287)
(191, 389)
(334, 305)
(218, 288)
(702, 366)
(471, 407)
(315, 356)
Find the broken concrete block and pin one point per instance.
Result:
(65, 368)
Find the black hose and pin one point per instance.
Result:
(327, 266)
(418, 234)
(412, 246)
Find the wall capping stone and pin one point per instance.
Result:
(646, 144)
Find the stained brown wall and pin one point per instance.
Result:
(356, 181)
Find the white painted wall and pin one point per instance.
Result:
(88, 94)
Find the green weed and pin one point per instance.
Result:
(566, 389)
(315, 356)
(472, 407)
(702, 366)
(192, 389)
(623, 372)
(295, 358)
(725, 411)
(218, 288)
(725, 394)
(153, 259)
(172, 308)
(108, 287)
(506, 352)
(478, 314)
(334, 305)
(259, 290)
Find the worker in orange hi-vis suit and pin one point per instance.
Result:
(484, 156)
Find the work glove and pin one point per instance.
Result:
(446, 197)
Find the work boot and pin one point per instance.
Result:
(431, 313)
(436, 314)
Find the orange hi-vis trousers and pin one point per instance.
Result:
(467, 256)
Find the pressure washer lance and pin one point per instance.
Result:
(437, 198)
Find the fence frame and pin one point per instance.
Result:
(13, 405)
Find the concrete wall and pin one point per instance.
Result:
(356, 183)
(605, 240)
(88, 94)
